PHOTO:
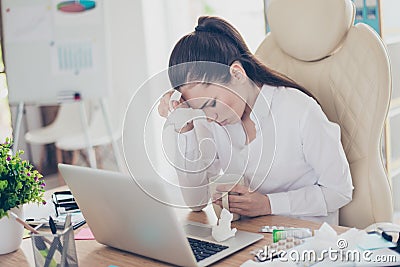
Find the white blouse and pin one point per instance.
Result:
(296, 158)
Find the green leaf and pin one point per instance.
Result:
(16, 187)
(3, 184)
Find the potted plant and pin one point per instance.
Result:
(19, 184)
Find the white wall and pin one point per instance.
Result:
(128, 51)
(142, 34)
(128, 64)
(390, 22)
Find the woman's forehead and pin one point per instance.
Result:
(196, 94)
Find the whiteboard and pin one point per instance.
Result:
(55, 50)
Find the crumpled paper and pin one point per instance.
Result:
(326, 237)
(223, 231)
(181, 116)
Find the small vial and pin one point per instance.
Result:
(293, 232)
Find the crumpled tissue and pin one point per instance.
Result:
(223, 231)
(181, 116)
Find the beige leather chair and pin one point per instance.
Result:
(346, 67)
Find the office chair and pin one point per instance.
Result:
(346, 68)
(98, 132)
(66, 123)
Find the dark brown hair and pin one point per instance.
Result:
(215, 40)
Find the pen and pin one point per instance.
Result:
(38, 226)
(27, 226)
(76, 226)
(52, 224)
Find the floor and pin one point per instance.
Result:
(105, 160)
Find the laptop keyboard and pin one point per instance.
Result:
(203, 249)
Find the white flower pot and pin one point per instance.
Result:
(11, 232)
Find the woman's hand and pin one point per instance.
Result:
(164, 109)
(244, 202)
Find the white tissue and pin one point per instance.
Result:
(326, 237)
(181, 116)
(326, 233)
(223, 231)
(176, 96)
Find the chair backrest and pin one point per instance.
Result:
(346, 68)
(65, 124)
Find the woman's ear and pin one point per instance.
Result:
(237, 72)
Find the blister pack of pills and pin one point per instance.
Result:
(276, 250)
(270, 228)
(290, 250)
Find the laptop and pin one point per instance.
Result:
(121, 215)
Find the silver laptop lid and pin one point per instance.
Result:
(121, 215)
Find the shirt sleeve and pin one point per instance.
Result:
(323, 150)
(196, 159)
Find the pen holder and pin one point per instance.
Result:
(54, 250)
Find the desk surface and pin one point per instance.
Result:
(92, 253)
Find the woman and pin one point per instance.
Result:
(261, 123)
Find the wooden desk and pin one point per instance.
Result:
(91, 253)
